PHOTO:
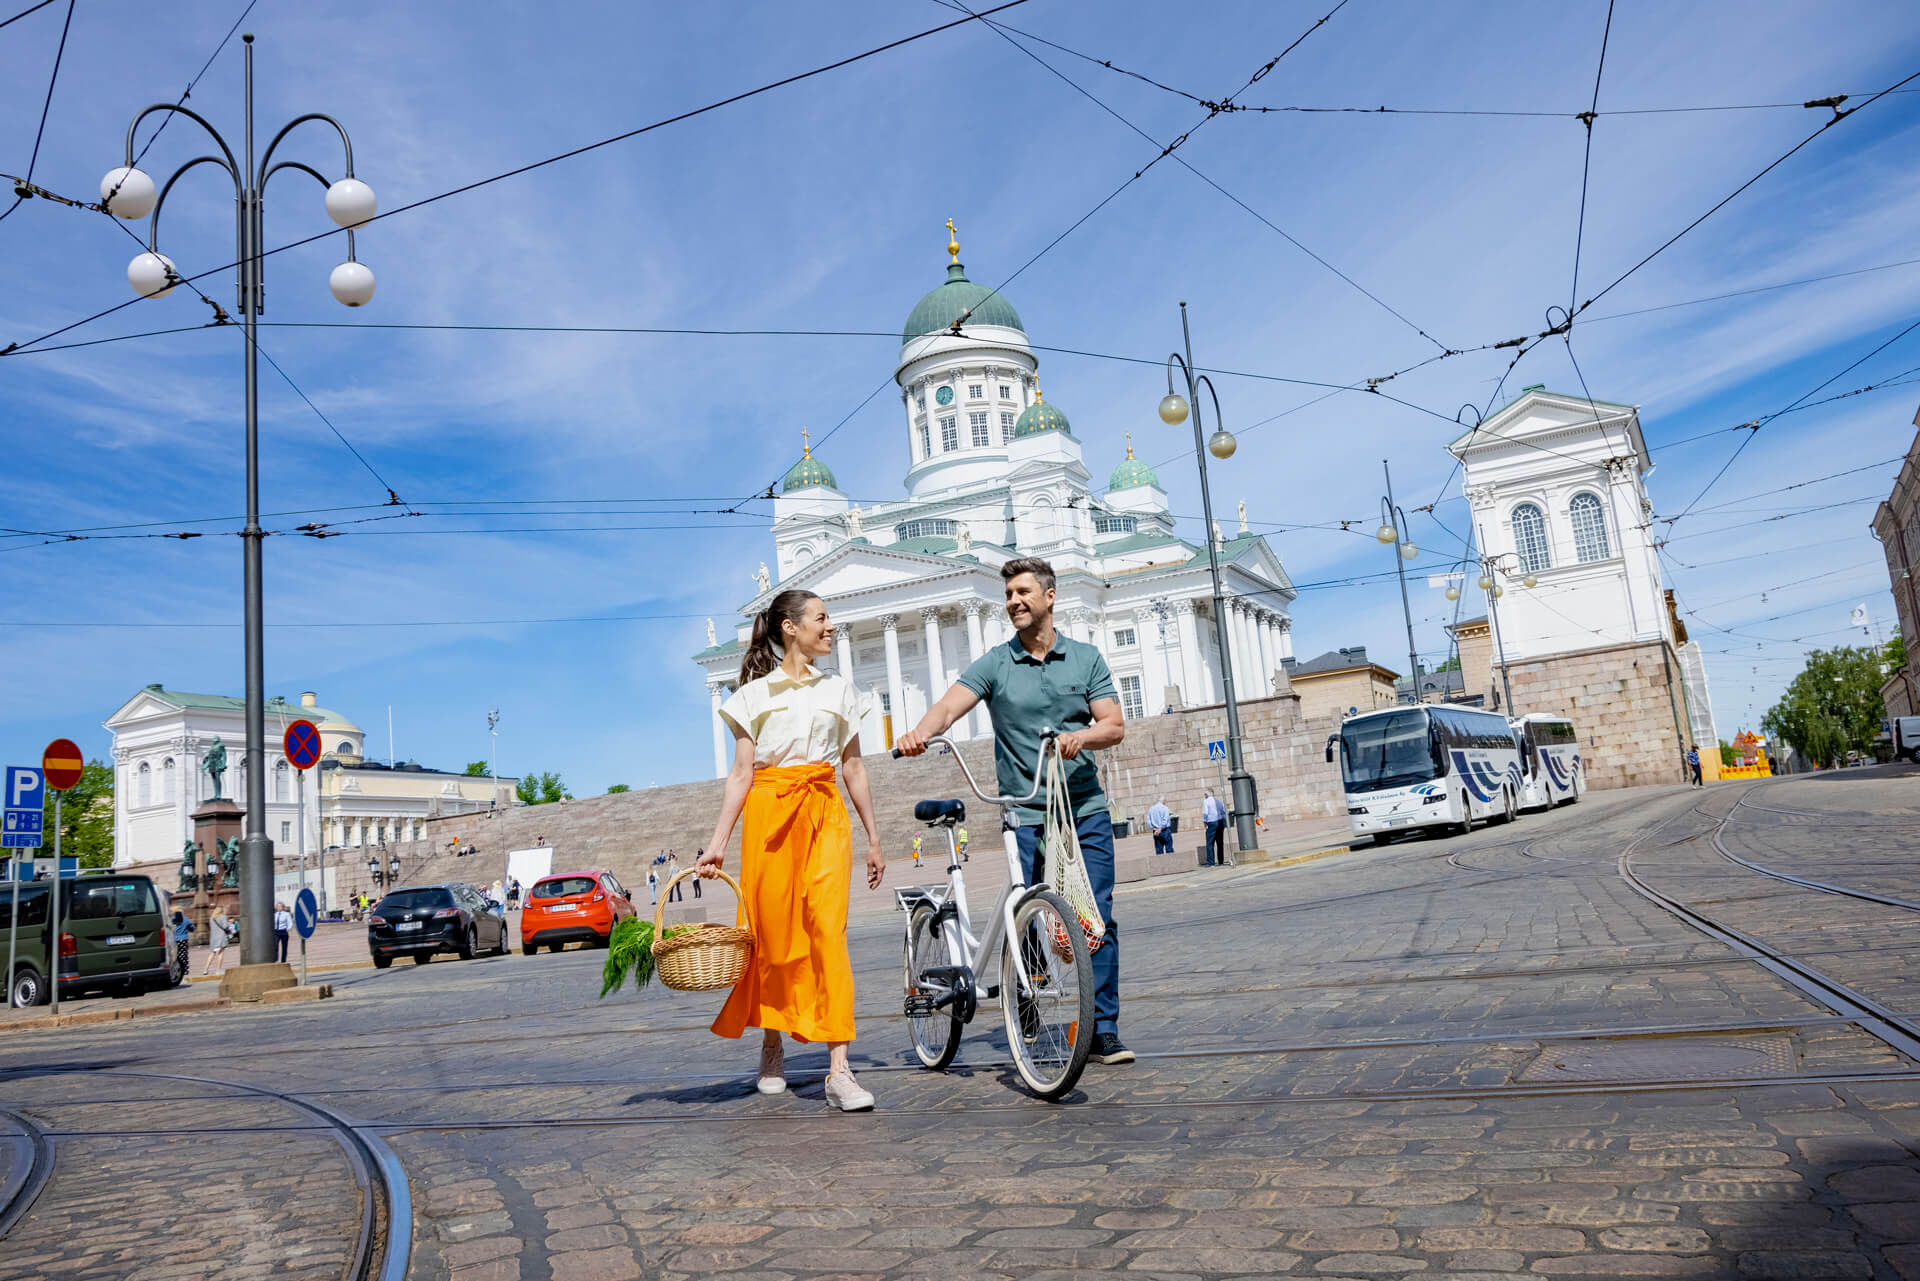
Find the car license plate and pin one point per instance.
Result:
(407, 925)
(119, 940)
(1398, 822)
(566, 907)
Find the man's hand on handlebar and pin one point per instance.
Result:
(911, 743)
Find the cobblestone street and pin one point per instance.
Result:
(1483, 1056)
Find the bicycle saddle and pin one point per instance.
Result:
(940, 811)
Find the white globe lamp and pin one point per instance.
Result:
(127, 193)
(1409, 550)
(1453, 593)
(1222, 444)
(1173, 410)
(1386, 534)
(1530, 580)
(352, 284)
(350, 203)
(152, 275)
(1486, 582)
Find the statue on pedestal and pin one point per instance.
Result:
(712, 640)
(215, 764)
(190, 867)
(1243, 515)
(762, 579)
(856, 523)
(965, 540)
(230, 860)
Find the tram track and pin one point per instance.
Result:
(29, 1166)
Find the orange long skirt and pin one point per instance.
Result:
(796, 855)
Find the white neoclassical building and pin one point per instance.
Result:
(1557, 485)
(161, 736)
(994, 472)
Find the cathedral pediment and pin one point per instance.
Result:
(862, 567)
(141, 707)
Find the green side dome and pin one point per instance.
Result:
(1039, 417)
(936, 312)
(1131, 472)
(808, 473)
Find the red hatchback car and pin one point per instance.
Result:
(572, 907)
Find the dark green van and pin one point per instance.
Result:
(112, 937)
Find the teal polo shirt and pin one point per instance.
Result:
(1024, 695)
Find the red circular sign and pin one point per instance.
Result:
(62, 764)
(302, 743)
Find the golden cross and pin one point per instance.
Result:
(806, 444)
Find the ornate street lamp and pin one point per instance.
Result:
(1173, 412)
(1492, 569)
(1393, 529)
(129, 193)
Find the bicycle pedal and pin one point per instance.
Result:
(921, 1007)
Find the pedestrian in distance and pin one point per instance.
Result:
(182, 940)
(513, 894)
(1160, 823)
(1693, 764)
(1042, 679)
(653, 888)
(219, 934)
(697, 856)
(673, 870)
(282, 930)
(960, 839)
(792, 725)
(1214, 815)
(916, 850)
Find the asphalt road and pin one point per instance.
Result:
(1481, 1056)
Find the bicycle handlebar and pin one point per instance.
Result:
(1047, 736)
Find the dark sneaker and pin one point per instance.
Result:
(1107, 1049)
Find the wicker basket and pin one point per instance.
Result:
(706, 957)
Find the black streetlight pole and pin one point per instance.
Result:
(1173, 411)
(129, 193)
(1393, 530)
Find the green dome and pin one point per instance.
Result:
(808, 473)
(936, 312)
(1132, 473)
(1039, 417)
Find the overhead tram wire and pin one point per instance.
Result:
(166, 118)
(21, 192)
(1758, 289)
(515, 172)
(32, 8)
(1002, 30)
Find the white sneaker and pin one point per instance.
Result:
(772, 1067)
(844, 1092)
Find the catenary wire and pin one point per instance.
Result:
(678, 118)
(34, 8)
(45, 107)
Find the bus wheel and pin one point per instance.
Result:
(1466, 808)
(1513, 807)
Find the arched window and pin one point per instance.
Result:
(1530, 538)
(1589, 528)
(280, 781)
(145, 790)
(167, 780)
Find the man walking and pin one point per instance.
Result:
(282, 927)
(1042, 679)
(1214, 815)
(1693, 764)
(1160, 823)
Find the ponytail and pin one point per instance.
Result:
(765, 647)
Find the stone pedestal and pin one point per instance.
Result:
(220, 819)
(252, 982)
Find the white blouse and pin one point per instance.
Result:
(795, 722)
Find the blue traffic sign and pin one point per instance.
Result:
(306, 913)
(1217, 750)
(25, 798)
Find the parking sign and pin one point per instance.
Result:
(21, 818)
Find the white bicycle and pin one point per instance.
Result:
(1045, 979)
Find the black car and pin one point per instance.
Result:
(421, 920)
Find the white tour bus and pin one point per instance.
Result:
(1549, 761)
(1427, 766)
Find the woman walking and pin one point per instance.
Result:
(220, 932)
(792, 725)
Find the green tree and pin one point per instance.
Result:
(1833, 705)
(476, 769)
(1451, 665)
(541, 789)
(1729, 754)
(1895, 653)
(617, 788)
(86, 818)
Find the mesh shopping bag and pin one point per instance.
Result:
(1066, 870)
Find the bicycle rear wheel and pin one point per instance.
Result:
(935, 1030)
(1051, 1031)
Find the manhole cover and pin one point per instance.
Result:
(1681, 1059)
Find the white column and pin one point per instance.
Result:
(1236, 656)
(1081, 626)
(1263, 648)
(716, 694)
(1195, 689)
(977, 724)
(936, 660)
(1286, 638)
(1153, 669)
(843, 650)
(896, 693)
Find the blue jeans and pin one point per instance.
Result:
(1216, 843)
(1163, 841)
(1096, 847)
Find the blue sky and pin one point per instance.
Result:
(820, 207)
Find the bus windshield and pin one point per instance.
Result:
(1387, 751)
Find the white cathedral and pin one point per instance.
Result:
(995, 472)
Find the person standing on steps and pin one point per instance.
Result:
(792, 725)
(1038, 680)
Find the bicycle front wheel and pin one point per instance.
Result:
(1050, 1030)
(935, 1029)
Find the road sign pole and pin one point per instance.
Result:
(13, 920)
(54, 908)
(300, 819)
